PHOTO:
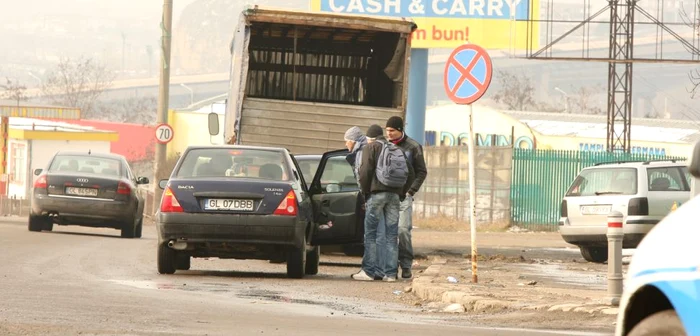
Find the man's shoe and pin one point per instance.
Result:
(406, 273)
(389, 279)
(362, 276)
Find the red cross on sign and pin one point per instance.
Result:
(467, 74)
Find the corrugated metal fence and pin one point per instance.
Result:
(541, 178)
(445, 192)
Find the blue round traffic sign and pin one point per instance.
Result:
(467, 74)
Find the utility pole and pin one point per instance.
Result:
(163, 95)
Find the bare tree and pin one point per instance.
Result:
(517, 92)
(77, 83)
(137, 110)
(693, 21)
(585, 102)
(13, 91)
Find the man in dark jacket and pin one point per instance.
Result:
(414, 154)
(383, 204)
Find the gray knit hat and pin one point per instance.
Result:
(354, 134)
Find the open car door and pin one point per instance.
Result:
(337, 202)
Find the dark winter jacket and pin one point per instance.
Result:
(369, 183)
(414, 154)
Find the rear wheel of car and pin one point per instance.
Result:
(166, 259)
(313, 258)
(38, 223)
(594, 254)
(129, 229)
(354, 250)
(296, 261)
(663, 323)
(139, 228)
(182, 261)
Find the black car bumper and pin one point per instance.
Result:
(84, 211)
(235, 229)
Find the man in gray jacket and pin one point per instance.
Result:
(414, 155)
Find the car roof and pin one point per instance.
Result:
(272, 149)
(308, 156)
(637, 164)
(91, 154)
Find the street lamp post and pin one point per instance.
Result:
(191, 93)
(41, 82)
(566, 99)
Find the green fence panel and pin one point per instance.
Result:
(540, 179)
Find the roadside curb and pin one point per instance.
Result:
(428, 287)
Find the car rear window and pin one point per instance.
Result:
(234, 163)
(86, 164)
(604, 181)
(667, 179)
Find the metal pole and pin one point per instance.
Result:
(472, 191)
(615, 235)
(163, 95)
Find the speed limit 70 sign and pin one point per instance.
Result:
(164, 133)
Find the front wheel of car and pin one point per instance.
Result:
(313, 258)
(167, 259)
(296, 261)
(665, 323)
(38, 223)
(594, 254)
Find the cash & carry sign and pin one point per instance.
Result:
(492, 24)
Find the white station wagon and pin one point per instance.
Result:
(644, 192)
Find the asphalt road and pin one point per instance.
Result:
(91, 282)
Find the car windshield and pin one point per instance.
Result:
(86, 164)
(235, 163)
(308, 166)
(605, 181)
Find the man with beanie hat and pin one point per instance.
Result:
(382, 205)
(354, 141)
(414, 155)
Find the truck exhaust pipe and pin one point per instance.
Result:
(177, 245)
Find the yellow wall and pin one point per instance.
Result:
(191, 128)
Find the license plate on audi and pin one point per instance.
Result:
(228, 204)
(90, 192)
(595, 209)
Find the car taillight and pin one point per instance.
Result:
(169, 203)
(123, 188)
(564, 209)
(638, 207)
(40, 182)
(288, 206)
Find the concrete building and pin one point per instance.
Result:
(448, 125)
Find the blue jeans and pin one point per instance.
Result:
(405, 227)
(381, 207)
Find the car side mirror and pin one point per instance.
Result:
(143, 180)
(694, 167)
(333, 188)
(38, 171)
(213, 123)
(162, 184)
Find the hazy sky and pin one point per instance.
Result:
(26, 9)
